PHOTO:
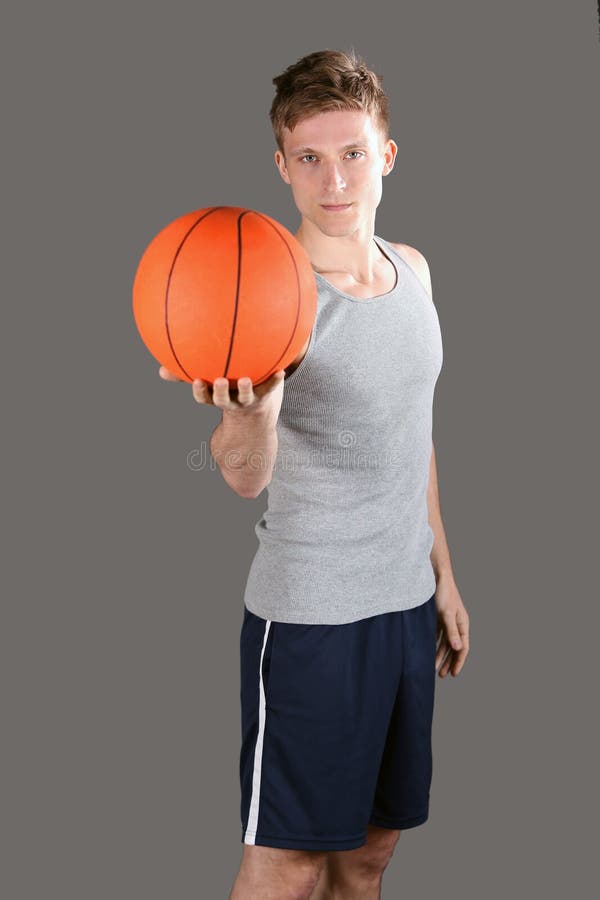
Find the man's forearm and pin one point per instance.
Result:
(244, 447)
(440, 554)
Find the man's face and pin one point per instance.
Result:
(336, 157)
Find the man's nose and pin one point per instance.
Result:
(333, 177)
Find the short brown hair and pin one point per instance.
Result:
(327, 80)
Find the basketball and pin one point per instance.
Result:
(224, 292)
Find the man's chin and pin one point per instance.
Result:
(329, 225)
(336, 224)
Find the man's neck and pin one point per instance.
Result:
(356, 255)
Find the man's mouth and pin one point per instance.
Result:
(336, 207)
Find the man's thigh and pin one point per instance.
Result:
(273, 868)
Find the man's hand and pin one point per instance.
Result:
(247, 397)
(453, 626)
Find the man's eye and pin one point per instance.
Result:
(302, 158)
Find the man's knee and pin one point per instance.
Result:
(278, 873)
(368, 861)
(379, 848)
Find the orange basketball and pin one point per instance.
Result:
(224, 292)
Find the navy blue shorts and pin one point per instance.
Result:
(336, 728)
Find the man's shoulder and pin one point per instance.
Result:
(417, 262)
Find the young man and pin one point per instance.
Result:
(352, 584)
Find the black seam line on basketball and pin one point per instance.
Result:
(287, 247)
(237, 291)
(183, 240)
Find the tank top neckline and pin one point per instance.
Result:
(379, 241)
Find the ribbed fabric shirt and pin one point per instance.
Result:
(346, 533)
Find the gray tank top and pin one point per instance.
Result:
(346, 534)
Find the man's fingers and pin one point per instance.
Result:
(463, 628)
(452, 632)
(221, 394)
(459, 661)
(445, 659)
(454, 643)
(441, 652)
(201, 392)
(166, 375)
(270, 384)
(445, 668)
(246, 394)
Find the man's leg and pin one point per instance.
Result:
(356, 874)
(270, 873)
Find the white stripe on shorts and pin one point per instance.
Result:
(250, 833)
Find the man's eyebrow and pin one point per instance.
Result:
(359, 143)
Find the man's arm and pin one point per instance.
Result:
(453, 619)
(440, 554)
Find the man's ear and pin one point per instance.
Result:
(390, 150)
(280, 163)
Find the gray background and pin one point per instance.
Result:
(125, 559)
